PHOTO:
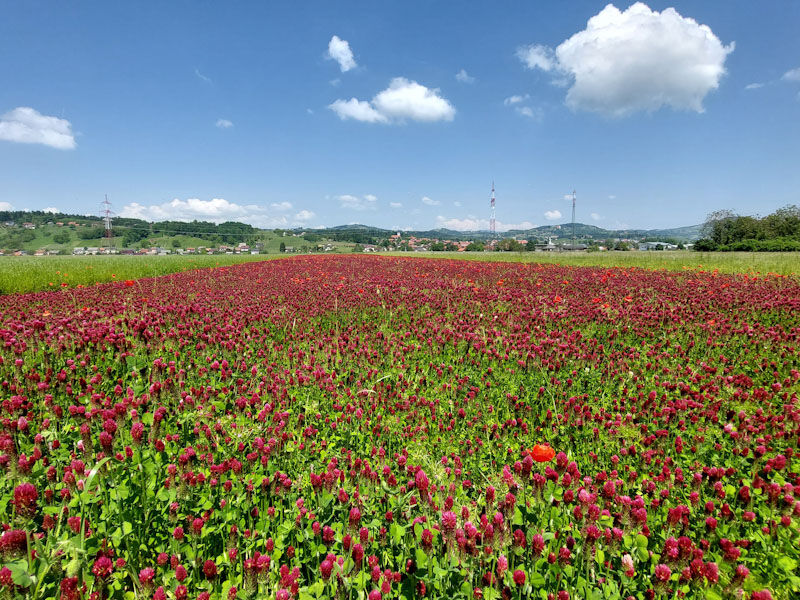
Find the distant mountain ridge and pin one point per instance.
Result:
(562, 231)
(688, 233)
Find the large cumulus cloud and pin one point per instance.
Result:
(635, 60)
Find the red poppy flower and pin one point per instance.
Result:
(129, 282)
(542, 453)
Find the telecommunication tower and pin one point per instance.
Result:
(492, 223)
(573, 219)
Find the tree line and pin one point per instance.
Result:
(724, 230)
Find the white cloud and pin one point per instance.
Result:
(396, 204)
(359, 110)
(282, 206)
(568, 197)
(753, 86)
(402, 100)
(464, 77)
(595, 217)
(536, 56)
(51, 209)
(636, 60)
(339, 50)
(224, 123)
(201, 76)
(552, 215)
(350, 202)
(457, 203)
(27, 126)
(527, 111)
(473, 223)
(6, 206)
(430, 202)
(793, 75)
(515, 99)
(405, 99)
(216, 210)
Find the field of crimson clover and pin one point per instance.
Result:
(363, 427)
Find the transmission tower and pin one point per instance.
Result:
(106, 214)
(492, 223)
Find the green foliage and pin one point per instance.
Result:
(726, 231)
(90, 233)
(508, 245)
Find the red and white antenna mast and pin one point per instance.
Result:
(492, 223)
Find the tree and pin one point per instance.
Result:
(475, 247)
(282, 247)
(704, 245)
(784, 222)
(90, 233)
(508, 245)
(719, 226)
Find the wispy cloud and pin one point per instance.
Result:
(519, 104)
(792, 75)
(202, 77)
(464, 77)
(224, 123)
(473, 223)
(351, 202)
(516, 99)
(531, 113)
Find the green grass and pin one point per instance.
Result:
(20, 274)
(781, 263)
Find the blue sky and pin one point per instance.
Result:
(400, 114)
